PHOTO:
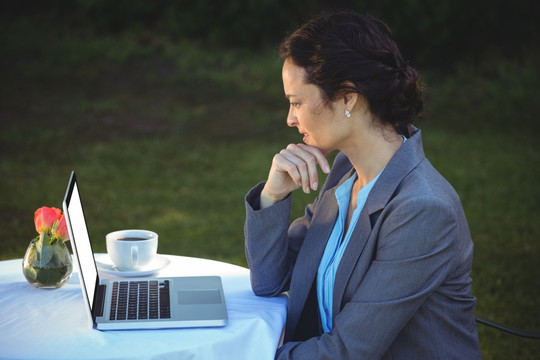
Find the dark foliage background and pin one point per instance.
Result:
(435, 33)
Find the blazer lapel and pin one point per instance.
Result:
(311, 253)
(406, 159)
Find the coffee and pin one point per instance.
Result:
(132, 249)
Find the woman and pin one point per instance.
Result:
(378, 267)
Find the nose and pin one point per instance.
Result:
(291, 118)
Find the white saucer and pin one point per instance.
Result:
(105, 265)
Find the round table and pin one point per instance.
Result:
(53, 324)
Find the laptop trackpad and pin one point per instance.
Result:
(190, 297)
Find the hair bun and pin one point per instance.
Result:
(406, 102)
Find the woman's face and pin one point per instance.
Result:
(317, 122)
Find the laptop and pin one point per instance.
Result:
(142, 302)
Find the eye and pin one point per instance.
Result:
(296, 104)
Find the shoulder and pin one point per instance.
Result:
(424, 215)
(426, 198)
(425, 185)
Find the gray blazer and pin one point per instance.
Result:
(402, 289)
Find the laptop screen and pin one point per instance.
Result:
(80, 240)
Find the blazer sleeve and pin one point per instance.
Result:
(415, 246)
(272, 242)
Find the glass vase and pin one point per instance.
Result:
(47, 266)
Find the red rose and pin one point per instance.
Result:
(45, 217)
(61, 230)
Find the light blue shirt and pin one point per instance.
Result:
(337, 244)
(336, 247)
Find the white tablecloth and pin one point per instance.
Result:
(52, 324)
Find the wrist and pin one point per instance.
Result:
(267, 199)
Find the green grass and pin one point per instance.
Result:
(169, 136)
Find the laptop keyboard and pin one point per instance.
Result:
(132, 300)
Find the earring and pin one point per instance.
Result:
(347, 113)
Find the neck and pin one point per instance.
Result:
(371, 151)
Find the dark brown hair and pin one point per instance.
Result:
(339, 49)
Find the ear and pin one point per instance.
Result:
(351, 98)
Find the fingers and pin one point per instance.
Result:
(296, 168)
(319, 155)
(300, 162)
(293, 167)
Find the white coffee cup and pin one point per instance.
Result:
(131, 249)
